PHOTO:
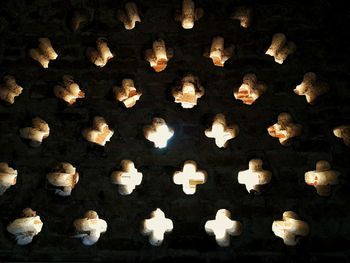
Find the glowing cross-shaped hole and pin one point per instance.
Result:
(255, 176)
(189, 177)
(158, 133)
(156, 227)
(221, 132)
(290, 228)
(127, 179)
(222, 227)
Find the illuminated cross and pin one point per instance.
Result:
(221, 132)
(255, 176)
(158, 133)
(285, 128)
(190, 177)
(290, 228)
(322, 178)
(156, 227)
(127, 179)
(222, 227)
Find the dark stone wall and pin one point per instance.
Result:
(318, 28)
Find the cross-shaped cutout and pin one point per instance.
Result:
(223, 227)
(156, 227)
(255, 176)
(190, 177)
(290, 228)
(158, 132)
(221, 132)
(99, 133)
(89, 228)
(285, 128)
(322, 178)
(250, 90)
(127, 179)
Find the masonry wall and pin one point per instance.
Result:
(317, 27)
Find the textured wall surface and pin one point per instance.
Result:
(317, 27)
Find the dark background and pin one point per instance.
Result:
(318, 29)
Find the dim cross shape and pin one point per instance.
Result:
(221, 132)
(343, 132)
(99, 133)
(129, 16)
(188, 92)
(188, 14)
(8, 177)
(79, 19)
(255, 176)
(223, 227)
(9, 90)
(26, 227)
(244, 15)
(280, 48)
(284, 129)
(322, 178)
(90, 228)
(64, 176)
(101, 55)
(156, 227)
(127, 179)
(44, 53)
(250, 90)
(37, 133)
(68, 90)
(127, 93)
(290, 228)
(217, 52)
(158, 132)
(311, 88)
(190, 177)
(159, 55)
